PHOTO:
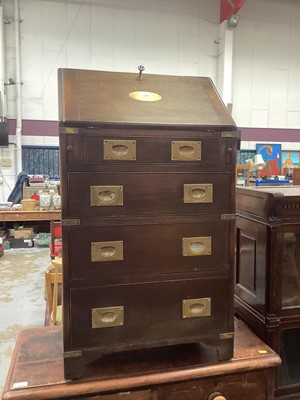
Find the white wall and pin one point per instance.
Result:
(167, 37)
(266, 66)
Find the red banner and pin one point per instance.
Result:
(229, 7)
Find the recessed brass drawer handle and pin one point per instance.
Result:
(119, 150)
(106, 251)
(106, 317)
(196, 246)
(186, 150)
(194, 308)
(106, 196)
(198, 193)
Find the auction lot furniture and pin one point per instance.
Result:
(267, 290)
(148, 214)
(173, 373)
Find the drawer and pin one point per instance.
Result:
(145, 249)
(164, 312)
(102, 194)
(108, 147)
(146, 394)
(258, 385)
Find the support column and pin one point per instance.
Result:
(18, 91)
(225, 60)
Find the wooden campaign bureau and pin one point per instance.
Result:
(268, 275)
(148, 214)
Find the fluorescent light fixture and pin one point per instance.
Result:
(233, 21)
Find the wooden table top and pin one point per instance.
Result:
(36, 370)
(43, 215)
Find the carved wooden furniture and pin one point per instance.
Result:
(172, 373)
(268, 274)
(148, 209)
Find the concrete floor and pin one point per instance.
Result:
(22, 303)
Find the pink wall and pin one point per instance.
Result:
(270, 135)
(50, 128)
(32, 127)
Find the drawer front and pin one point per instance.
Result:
(258, 385)
(146, 312)
(103, 149)
(101, 194)
(124, 250)
(139, 394)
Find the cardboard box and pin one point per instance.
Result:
(23, 233)
(20, 243)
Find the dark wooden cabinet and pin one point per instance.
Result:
(148, 214)
(267, 284)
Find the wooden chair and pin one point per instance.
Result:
(56, 239)
(53, 279)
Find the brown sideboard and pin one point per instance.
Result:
(169, 373)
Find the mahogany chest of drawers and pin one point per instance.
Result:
(148, 214)
(268, 275)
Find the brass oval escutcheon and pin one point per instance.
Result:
(107, 196)
(197, 247)
(198, 193)
(120, 150)
(108, 251)
(196, 308)
(186, 151)
(108, 317)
